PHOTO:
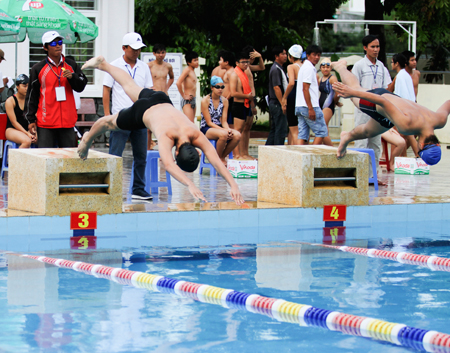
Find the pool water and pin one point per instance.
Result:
(51, 309)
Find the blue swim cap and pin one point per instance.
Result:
(215, 80)
(431, 154)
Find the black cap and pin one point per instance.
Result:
(187, 158)
(22, 79)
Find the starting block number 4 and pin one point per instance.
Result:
(332, 213)
(83, 220)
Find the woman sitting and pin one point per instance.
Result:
(214, 120)
(17, 125)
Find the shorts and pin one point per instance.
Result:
(131, 118)
(370, 109)
(191, 102)
(240, 111)
(318, 126)
(230, 119)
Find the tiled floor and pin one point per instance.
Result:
(399, 189)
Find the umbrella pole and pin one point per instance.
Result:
(15, 76)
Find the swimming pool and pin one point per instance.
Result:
(46, 308)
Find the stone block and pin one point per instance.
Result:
(40, 181)
(303, 176)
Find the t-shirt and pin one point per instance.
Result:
(307, 74)
(275, 79)
(140, 74)
(404, 86)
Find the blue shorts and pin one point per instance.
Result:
(318, 126)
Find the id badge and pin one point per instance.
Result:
(60, 94)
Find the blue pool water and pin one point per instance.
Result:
(51, 309)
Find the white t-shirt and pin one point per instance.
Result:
(308, 74)
(140, 74)
(404, 86)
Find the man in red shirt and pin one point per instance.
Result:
(49, 102)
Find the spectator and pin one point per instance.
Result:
(49, 102)
(17, 125)
(288, 102)
(277, 87)
(214, 120)
(3, 80)
(140, 72)
(307, 108)
(187, 85)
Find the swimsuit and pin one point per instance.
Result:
(216, 115)
(240, 111)
(191, 102)
(290, 109)
(19, 117)
(371, 110)
(131, 118)
(326, 99)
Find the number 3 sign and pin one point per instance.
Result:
(83, 220)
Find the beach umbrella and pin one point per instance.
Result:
(8, 25)
(39, 16)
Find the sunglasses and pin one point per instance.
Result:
(55, 43)
(325, 64)
(245, 62)
(219, 87)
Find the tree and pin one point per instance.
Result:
(207, 26)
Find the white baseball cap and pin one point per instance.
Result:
(134, 40)
(50, 36)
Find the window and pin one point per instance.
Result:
(82, 4)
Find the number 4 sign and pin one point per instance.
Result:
(83, 220)
(333, 213)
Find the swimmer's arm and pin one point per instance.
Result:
(171, 77)
(205, 112)
(391, 86)
(290, 86)
(180, 83)
(224, 118)
(260, 66)
(105, 99)
(165, 151)
(210, 152)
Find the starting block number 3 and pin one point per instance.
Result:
(334, 213)
(83, 220)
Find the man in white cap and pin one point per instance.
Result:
(49, 103)
(140, 72)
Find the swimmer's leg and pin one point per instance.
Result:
(367, 130)
(122, 77)
(107, 123)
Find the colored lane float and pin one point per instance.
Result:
(434, 263)
(279, 309)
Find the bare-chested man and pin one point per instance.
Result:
(241, 92)
(154, 110)
(160, 70)
(387, 110)
(411, 68)
(187, 85)
(219, 70)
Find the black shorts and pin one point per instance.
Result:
(371, 110)
(230, 119)
(290, 113)
(131, 118)
(240, 111)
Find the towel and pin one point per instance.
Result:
(245, 84)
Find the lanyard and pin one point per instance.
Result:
(134, 71)
(374, 73)
(60, 71)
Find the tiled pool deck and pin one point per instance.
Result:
(424, 197)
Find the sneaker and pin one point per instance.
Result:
(142, 195)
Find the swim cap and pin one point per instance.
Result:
(296, 51)
(431, 154)
(22, 78)
(187, 158)
(215, 80)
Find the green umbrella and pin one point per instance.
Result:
(39, 16)
(8, 25)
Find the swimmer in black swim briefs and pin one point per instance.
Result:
(154, 111)
(386, 110)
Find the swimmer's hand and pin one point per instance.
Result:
(195, 191)
(342, 90)
(236, 195)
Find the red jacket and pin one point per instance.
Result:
(41, 105)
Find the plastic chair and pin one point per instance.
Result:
(203, 164)
(5, 164)
(371, 153)
(151, 175)
(386, 155)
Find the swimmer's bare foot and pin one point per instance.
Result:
(342, 149)
(248, 157)
(223, 160)
(83, 147)
(93, 63)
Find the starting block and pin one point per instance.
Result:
(56, 182)
(312, 176)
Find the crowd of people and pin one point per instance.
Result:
(136, 103)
